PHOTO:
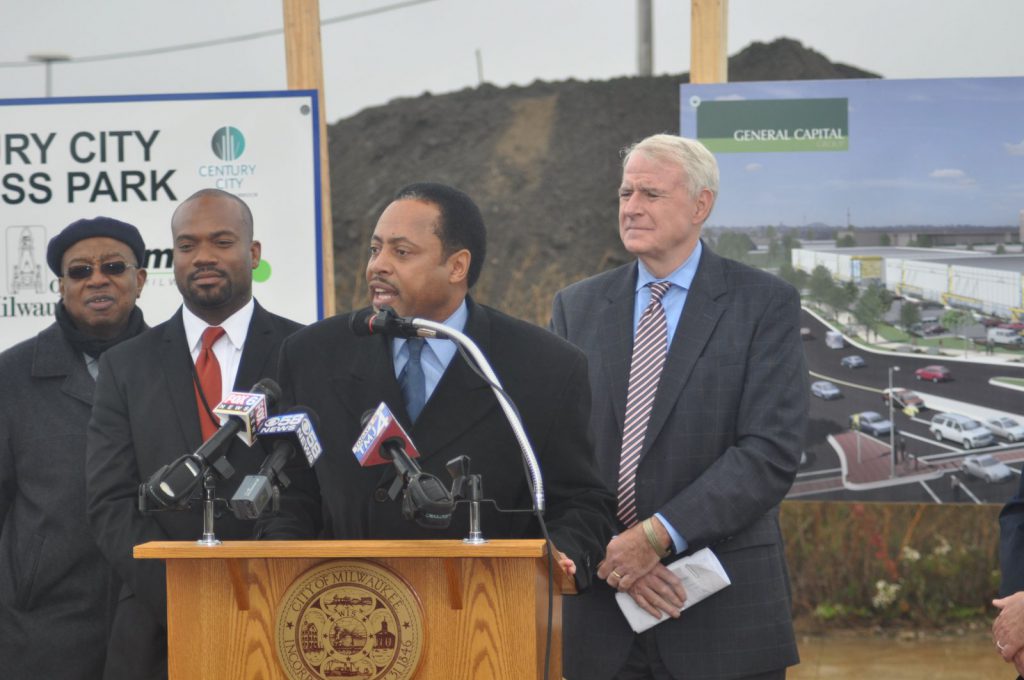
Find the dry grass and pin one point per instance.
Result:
(880, 563)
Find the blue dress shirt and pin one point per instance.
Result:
(437, 353)
(673, 303)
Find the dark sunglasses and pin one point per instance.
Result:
(84, 271)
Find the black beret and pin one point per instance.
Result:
(97, 226)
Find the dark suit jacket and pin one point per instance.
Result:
(56, 590)
(1011, 544)
(145, 416)
(721, 450)
(340, 376)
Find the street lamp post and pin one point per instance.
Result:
(48, 59)
(892, 426)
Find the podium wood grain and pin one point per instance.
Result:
(484, 607)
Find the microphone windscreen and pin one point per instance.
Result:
(365, 418)
(269, 388)
(310, 413)
(361, 323)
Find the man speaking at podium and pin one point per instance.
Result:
(153, 402)
(425, 254)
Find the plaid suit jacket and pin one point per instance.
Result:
(721, 451)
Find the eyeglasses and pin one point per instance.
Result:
(83, 271)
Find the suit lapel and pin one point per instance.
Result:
(54, 357)
(616, 338)
(370, 378)
(176, 361)
(461, 398)
(259, 341)
(698, 321)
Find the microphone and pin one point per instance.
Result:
(297, 428)
(245, 411)
(386, 322)
(172, 485)
(425, 500)
(379, 426)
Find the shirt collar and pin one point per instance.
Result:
(440, 346)
(236, 326)
(682, 276)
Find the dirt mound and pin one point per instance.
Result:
(542, 161)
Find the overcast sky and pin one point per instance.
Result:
(431, 45)
(893, 172)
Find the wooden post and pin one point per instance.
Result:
(306, 72)
(709, 62)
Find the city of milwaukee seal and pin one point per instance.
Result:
(349, 619)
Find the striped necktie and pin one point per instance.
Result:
(650, 348)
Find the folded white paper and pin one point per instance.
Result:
(702, 575)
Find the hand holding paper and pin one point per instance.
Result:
(702, 575)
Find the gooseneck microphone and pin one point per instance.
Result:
(173, 484)
(385, 321)
(288, 431)
(425, 499)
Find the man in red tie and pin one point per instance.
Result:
(153, 404)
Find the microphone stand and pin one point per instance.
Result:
(432, 329)
(209, 498)
(469, 488)
(439, 330)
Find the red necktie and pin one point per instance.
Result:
(208, 370)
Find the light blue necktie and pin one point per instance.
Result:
(412, 382)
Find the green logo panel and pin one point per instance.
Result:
(774, 125)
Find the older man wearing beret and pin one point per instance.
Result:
(56, 589)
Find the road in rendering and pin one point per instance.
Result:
(839, 465)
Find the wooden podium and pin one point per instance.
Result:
(484, 607)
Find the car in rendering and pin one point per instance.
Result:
(870, 422)
(1004, 336)
(958, 428)
(934, 373)
(853, 361)
(929, 328)
(902, 398)
(986, 467)
(806, 334)
(825, 390)
(1006, 427)
(834, 340)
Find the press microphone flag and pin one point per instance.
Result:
(424, 499)
(172, 485)
(381, 427)
(250, 408)
(287, 432)
(297, 426)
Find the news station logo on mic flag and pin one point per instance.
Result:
(381, 427)
(249, 407)
(299, 425)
